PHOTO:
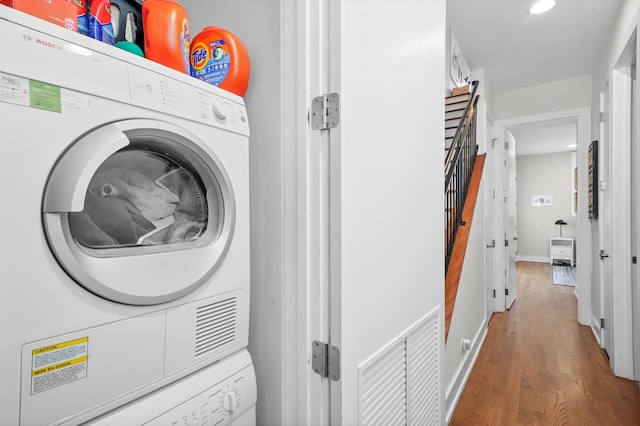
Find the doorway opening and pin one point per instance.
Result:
(580, 119)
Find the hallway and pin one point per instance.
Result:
(538, 366)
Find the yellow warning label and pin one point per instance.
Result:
(60, 345)
(58, 366)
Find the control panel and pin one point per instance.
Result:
(221, 394)
(214, 407)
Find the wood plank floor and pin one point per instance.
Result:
(538, 366)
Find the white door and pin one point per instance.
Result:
(386, 204)
(499, 217)
(605, 219)
(490, 237)
(635, 221)
(511, 229)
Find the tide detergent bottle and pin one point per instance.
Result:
(220, 58)
(167, 38)
(83, 18)
(100, 26)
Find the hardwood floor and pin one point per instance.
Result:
(538, 366)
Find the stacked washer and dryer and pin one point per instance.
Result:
(125, 249)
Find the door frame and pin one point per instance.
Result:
(490, 242)
(635, 221)
(621, 360)
(604, 221)
(511, 219)
(305, 298)
(582, 117)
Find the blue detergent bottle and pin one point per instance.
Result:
(83, 16)
(100, 26)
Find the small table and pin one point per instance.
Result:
(562, 248)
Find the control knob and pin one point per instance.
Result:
(220, 109)
(229, 401)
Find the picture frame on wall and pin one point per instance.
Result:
(459, 70)
(592, 164)
(542, 200)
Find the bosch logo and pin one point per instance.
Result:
(48, 44)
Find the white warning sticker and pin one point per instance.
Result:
(14, 90)
(58, 364)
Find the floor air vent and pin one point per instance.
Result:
(401, 384)
(215, 325)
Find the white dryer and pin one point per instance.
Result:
(125, 251)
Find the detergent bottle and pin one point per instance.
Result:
(83, 18)
(100, 26)
(167, 39)
(220, 58)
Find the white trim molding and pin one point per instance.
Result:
(455, 389)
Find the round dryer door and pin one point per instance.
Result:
(139, 212)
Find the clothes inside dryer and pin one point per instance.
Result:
(140, 197)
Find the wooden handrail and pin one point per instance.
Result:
(459, 164)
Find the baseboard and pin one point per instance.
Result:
(539, 259)
(462, 375)
(595, 328)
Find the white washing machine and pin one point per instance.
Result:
(125, 251)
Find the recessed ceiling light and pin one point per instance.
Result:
(542, 6)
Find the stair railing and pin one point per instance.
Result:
(458, 166)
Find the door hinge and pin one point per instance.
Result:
(601, 322)
(494, 293)
(325, 111)
(506, 243)
(634, 260)
(325, 360)
(506, 291)
(506, 146)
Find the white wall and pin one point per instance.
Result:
(469, 319)
(626, 20)
(258, 25)
(546, 174)
(485, 108)
(555, 96)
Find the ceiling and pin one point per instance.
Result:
(546, 138)
(517, 49)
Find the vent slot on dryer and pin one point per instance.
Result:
(216, 325)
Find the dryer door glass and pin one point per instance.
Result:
(142, 198)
